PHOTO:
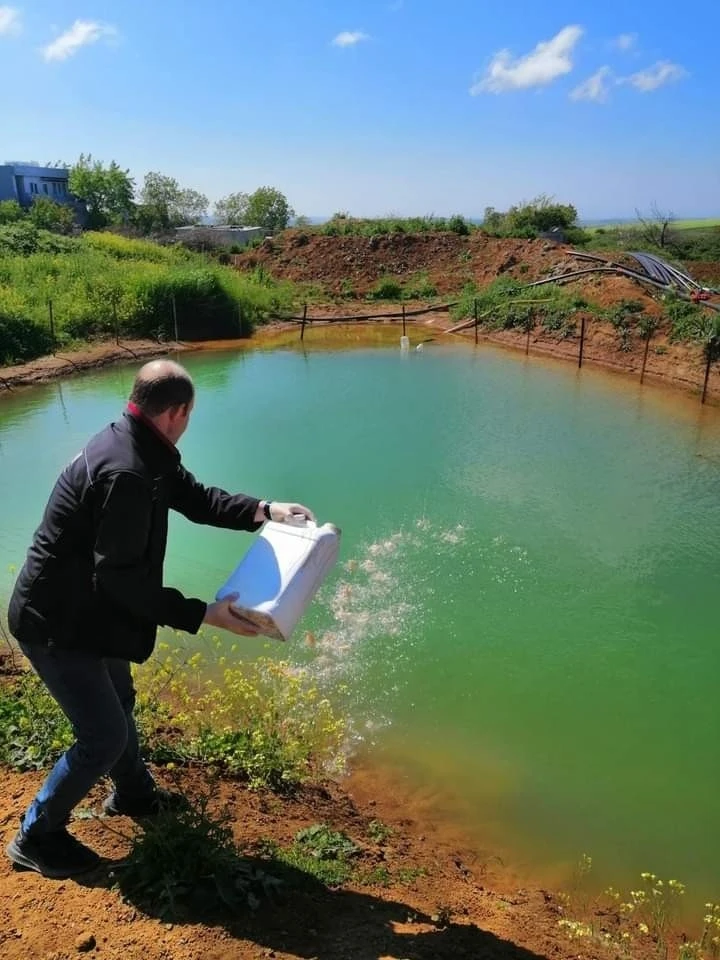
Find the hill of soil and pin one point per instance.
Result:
(355, 264)
(448, 260)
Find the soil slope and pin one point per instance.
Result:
(464, 905)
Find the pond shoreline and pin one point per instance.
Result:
(671, 366)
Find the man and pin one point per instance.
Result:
(90, 597)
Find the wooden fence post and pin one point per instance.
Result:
(709, 350)
(475, 310)
(174, 310)
(52, 325)
(527, 338)
(304, 321)
(582, 342)
(645, 355)
(403, 306)
(115, 322)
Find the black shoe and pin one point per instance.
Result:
(58, 854)
(141, 807)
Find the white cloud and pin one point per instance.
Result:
(9, 21)
(81, 34)
(626, 41)
(348, 38)
(657, 76)
(595, 88)
(548, 61)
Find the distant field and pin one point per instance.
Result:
(700, 224)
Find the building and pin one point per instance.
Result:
(219, 235)
(26, 181)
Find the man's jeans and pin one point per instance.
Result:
(97, 696)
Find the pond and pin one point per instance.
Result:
(522, 620)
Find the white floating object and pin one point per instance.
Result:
(420, 347)
(404, 343)
(281, 573)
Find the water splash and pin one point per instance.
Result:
(378, 613)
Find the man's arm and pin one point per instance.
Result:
(121, 565)
(212, 506)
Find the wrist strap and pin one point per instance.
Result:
(266, 509)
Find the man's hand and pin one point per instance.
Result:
(220, 615)
(289, 512)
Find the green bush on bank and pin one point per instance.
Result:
(98, 281)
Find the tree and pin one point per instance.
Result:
(107, 191)
(269, 209)
(46, 214)
(655, 228)
(232, 209)
(492, 220)
(10, 211)
(164, 204)
(541, 214)
(528, 219)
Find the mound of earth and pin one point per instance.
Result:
(353, 265)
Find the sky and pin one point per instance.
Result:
(375, 107)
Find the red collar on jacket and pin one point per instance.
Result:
(134, 410)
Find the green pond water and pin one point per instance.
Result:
(524, 621)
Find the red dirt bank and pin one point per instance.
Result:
(464, 906)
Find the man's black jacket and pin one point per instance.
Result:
(93, 577)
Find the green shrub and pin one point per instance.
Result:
(33, 729)
(46, 214)
(459, 225)
(386, 289)
(10, 211)
(420, 288)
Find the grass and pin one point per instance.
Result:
(101, 283)
(701, 223)
(506, 304)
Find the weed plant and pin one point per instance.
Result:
(319, 851)
(263, 721)
(646, 918)
(186, 861)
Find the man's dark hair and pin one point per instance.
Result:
(155, 393)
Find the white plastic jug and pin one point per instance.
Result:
(281, 573)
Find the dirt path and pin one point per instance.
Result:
(459, 906)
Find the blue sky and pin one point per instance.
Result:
(406, 106)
